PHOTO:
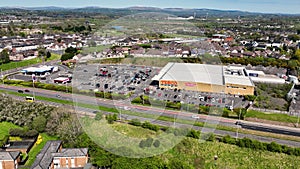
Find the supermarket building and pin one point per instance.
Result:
(205, 78)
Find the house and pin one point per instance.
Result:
(53, 156)
(9, 160)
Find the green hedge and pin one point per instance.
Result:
(63, 88)
(254, 144)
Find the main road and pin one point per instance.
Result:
(156, 112)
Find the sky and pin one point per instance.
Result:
(264, 6)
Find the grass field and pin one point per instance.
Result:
(201, 154)
(37, 148)
(87, 50)
(13, 65)
(272, 116)
(5, 127)
(133, 131)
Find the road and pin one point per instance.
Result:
(203, 130)
(158, 112)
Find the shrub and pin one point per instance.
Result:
(135, 122)
(225, 113)
(16, 132)
(148, 142)
(250, 97)
(181, 131)
(111, 118)
(150, 126)
(142, 144)
(156, 143)
(98, 116)
(193, 134)
(228, 139)
(4, 140)
(274, 147)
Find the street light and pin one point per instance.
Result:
(238, 125)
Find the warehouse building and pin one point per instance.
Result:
(205, 78)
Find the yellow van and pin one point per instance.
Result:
(29, 99)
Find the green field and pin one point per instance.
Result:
(87, 50)
(5, 127)
(272, 116)
(133, 131)
(201, 155)
(13, 65)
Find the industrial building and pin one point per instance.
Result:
(205, 78)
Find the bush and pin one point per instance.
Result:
(142, 144)
(148, 142)
(225, 113)
(111, 118)
(193, 134)
(150, 126)
(156, 143)
(135, 122)
(98, 116)
(240, 112)
(16, 132)
(250, 97)
(228, 139)
(274, 147)
(208, 137)
(4, 140)
(181, 131)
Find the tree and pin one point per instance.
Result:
(240, 112)
(66, 56)
(39, 123)
(42, 52)
(111, 118)
(4, 56)
(48, 55)
(71, 50)
(59, 40)
(69, 130)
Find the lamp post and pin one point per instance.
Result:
(238, 125)
(33, 80)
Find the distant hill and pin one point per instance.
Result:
(183, 12)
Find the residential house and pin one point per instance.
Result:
(53, 156)
(9, 160)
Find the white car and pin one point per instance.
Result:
(126, 108)
(195, 117)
